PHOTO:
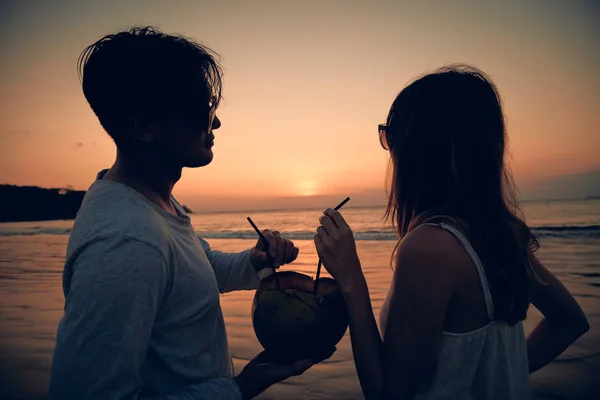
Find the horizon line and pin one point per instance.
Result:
(241, 211)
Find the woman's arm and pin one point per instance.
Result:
(398, 366)
(563, 322)
(367, 346)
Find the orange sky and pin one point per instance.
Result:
(306, 84)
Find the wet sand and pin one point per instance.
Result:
(31, 305)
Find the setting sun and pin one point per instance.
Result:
(307, 188)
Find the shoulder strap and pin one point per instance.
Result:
(471, 252)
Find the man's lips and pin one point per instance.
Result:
(210, 140)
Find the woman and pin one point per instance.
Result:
(465, 270)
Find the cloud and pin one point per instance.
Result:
(573, 186)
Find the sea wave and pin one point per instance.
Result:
(34, 231)
(557, 231)
(567, 231)
(583, 231)
(296, 235)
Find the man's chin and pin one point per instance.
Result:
(202, 160)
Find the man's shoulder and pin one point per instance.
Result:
(111, 211)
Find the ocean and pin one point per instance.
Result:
(31, 299)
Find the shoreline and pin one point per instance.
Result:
(36, 204)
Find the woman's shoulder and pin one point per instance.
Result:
(432, 248)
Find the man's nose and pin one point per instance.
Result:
(216, 124)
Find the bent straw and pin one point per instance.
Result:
(347, 199)
(266, 244)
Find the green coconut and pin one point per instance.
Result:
(291, 321)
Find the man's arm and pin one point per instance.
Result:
(115, 291)
(234, 271)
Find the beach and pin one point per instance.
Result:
(31, 299)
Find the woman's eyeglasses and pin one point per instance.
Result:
(382, 128)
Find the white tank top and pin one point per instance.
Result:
(487, 363)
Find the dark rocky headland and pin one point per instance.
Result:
(32, 203)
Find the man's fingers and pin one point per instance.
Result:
(260, 358)
(294, 254)
(301, 366)
(271, 373)
(289, 255)
(285, 251)
(272, 243)
(280, 249)
(264, 256)
(323, 356)
(294, 369)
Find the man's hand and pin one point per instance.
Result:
(279, 251)
(261, 373)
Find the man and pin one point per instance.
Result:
(142, 316)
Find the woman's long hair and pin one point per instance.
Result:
(446, 136)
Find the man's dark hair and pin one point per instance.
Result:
(144, 72)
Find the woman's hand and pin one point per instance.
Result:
(336, 248)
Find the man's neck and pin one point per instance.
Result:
(152, 180)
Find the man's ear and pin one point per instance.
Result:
(141, 129)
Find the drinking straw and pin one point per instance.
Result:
(319, 266)
(266, 245)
